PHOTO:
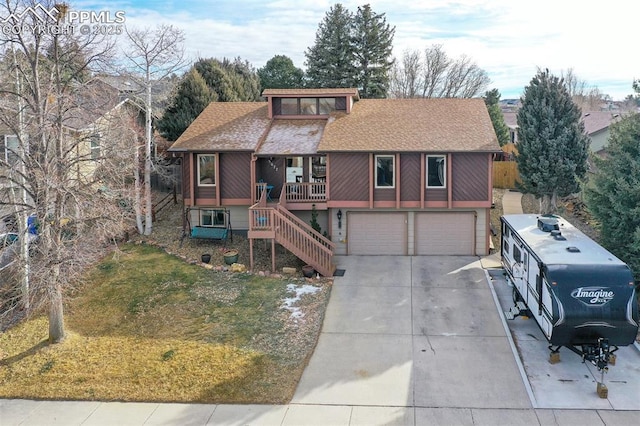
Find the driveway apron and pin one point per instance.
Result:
(418, 331)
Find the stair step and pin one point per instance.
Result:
(521, 305)
(515, 311)
(509, 315)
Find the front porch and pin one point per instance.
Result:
(294, 196)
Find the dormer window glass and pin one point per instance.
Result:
(307, 106)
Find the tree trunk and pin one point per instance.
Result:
(56, 312)
(545, 204)
(138, 188)
(148, 220)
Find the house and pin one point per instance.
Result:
(596, 125)
(384, 176)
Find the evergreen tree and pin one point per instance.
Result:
(330, 61)
(280, 73)
(613, 197)
(553, 145)
(218, 80)
(492, 100)
(232, 81)
(372, 46)
(191, 98)
(244, 79)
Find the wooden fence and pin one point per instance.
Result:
(505, 174)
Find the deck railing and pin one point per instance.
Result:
(305, 192)
(294, 235)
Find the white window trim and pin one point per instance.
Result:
(212, 212)
(215, 164)
(444, 171)
(393, 164)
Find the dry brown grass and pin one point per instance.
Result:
(150, 327)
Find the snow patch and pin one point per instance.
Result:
(288, 303)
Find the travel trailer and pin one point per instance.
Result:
(581, 295)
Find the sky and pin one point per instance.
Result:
(510, 39)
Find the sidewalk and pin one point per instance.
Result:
(512, 202)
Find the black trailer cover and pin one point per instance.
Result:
(596, 301)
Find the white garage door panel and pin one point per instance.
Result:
(377, 233)
(450, 233)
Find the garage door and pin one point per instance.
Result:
(377, 233)
(449, 233)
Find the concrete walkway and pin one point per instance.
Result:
(512, 202)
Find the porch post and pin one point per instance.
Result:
(251, 253)
(273, 255)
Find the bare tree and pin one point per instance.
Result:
(435, 75)
(407, 78)
(153, 55)
(56, 118)
(436, 65)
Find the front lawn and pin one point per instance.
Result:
(146, 326)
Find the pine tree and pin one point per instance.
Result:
(330, 61)
(613, 197)
(553, 145)
(492, 99)
(280, 73)
(372, 46)
(352, 51)
(191, 98)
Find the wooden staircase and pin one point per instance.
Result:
(298, 237)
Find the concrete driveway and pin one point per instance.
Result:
(413, 332)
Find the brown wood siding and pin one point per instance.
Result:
(384, 194)
(435, 194)
(410, 177)
(349, 176)
(235, 175)
(470, 176)
(206, 191)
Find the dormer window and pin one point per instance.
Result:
(307, 106)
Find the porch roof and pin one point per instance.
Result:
(226, 126)
(412, 125)
(297, 137)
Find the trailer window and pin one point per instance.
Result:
(517, 254)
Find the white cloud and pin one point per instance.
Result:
(508, 38)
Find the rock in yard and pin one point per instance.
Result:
(238, 267)
(288, 270)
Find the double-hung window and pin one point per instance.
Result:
(385, 171)
(206, 170)
(436, 171)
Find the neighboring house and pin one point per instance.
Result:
(596, 124)
(96, 112)
(386, 176)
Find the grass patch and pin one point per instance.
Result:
(148, 327)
